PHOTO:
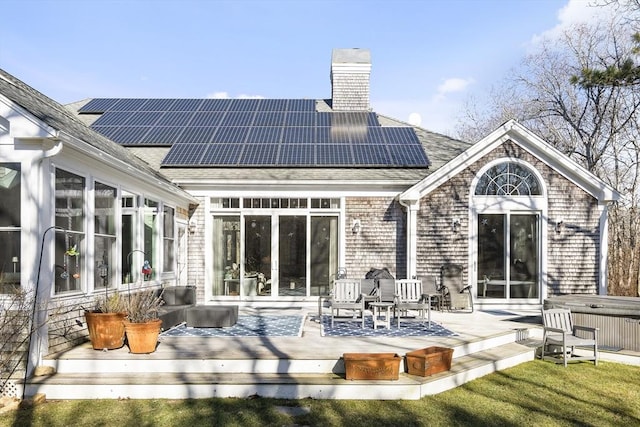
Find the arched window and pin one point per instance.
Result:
(508, 179)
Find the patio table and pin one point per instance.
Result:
(377, 308)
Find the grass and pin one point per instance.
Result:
(534, 393)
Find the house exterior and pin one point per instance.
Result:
(263, 201)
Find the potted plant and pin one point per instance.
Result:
(142, 325)
(104, 322)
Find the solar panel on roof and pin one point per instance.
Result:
(300, 118)
(98, 105)
(333, 154)
(228, 128)
(322, 135)
(196, 134)
(301, 105)
(185, 105)
(162, 135)
(185, 154)
(323, 119)
(400, 135)
(264, 134)
(157, 104)
(275, 104)
(237, 118)
(128, 104)
(296, 154)
(214, 104)
(259, 154)
(232, 134)
(222, 154)
(115, 118)
(408, 155)
(130, 134)
(143, 118)
(206, 118)
(175, 118)
(298, 135)
(244, 104)
(269, 118)
(370, 154)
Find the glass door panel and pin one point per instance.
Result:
(508, 260)
(257, 267)
(523, 275)
(226, 255)
(491, 256)
(324, 253)
(292, 255)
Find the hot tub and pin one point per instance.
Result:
(618, 318)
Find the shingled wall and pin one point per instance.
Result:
(382, 241)
(572, 263)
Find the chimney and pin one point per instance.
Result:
(350, 71)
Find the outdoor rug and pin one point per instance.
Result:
(247, 326)
(407, 329)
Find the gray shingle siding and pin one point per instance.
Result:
(382, 240)
(572, 255)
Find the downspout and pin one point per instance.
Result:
(34, 351)
(412, 238)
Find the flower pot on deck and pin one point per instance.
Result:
(106, 330)
(142, 337)
(371, 366)
(429, 361)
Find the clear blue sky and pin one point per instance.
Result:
(427, 56)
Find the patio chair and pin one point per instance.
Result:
(369, 290)
(409, 295)
(560, 331)
(430, 287)
(456, 295)
(346, 295)
(387, 290)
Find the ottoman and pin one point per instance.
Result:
(212, 316)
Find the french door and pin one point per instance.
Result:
(508, 256)
(274, 255)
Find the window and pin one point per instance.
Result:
(129, 239)
(508, 179)
(69, 213)
(151, 230)
(168, 239)
(10, 186)
(105, 235)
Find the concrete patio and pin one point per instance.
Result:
(294, 367)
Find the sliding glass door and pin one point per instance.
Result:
(278, 254)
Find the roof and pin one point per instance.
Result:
(63, 120)
(520, 135)
(439, 148)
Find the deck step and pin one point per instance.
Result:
(130, 383)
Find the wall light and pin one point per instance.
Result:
(356, 226)
(193, 225)
(559, 225)
(455, 224)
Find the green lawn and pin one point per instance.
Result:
(532, 394)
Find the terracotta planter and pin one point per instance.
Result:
(106, 330)
(429, 361)
(371, 366)
(142, 337)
